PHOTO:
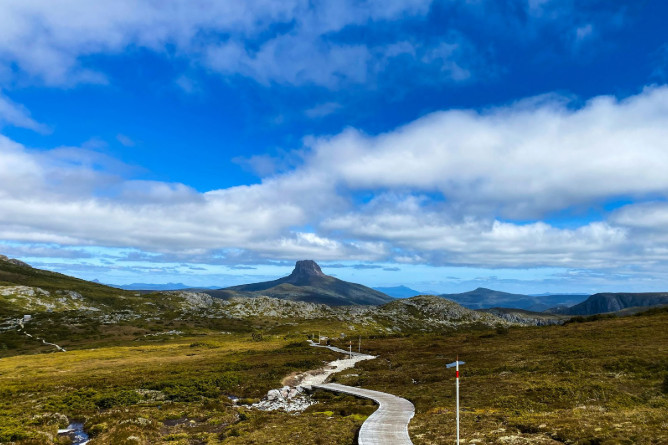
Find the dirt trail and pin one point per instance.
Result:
(23, 330)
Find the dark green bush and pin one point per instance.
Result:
(120, 398)
(12, 434)
(193, 390)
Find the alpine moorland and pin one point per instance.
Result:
(183, 368)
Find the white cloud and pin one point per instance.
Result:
(648, 225)
(583, 32)
(57, 197)
(17, 115)
(522, 161)
(293, 59)
(439, 237)
(444, 57)
(322, 110)
(124, 140)
(292, 42)
(187, 84)
(49, 41)
(448, 189)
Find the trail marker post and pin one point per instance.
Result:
(359, 344)
(350, 349)
(456, 366)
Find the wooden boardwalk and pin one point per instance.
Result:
(388, 425)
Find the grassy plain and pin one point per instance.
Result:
(602, 381)
(598, 382)
(175, 391)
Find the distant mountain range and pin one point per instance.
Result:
(153, 286)
(482, 298)
(400, 291)
(308, 283)
(26, 290)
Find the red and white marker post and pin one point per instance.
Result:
(456, 366)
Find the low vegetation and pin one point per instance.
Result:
(174, 392)
(167, 368)
(554, 384)
(598, 381)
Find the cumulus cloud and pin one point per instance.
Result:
(520, 161)
(487, 243)
(458, 187)
(41, 205)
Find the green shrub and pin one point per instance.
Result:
(501, 330)
(12, 434)
(304, 364)
(120, 398)
(80, 400)
(98, 429)
(194, 390)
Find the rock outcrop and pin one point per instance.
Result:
(14, 261)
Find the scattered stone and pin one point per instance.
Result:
(172, 332)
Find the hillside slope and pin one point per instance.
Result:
(23, 287)
(613, 302)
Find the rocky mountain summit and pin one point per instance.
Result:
(308, 283)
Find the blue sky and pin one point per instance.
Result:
(443, 145)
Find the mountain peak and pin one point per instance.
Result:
(307, 268)
(308, 283)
